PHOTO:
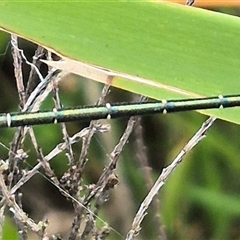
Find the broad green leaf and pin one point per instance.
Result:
(193, 51)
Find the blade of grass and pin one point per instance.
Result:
(170, 44)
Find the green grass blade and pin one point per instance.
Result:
(193, 50)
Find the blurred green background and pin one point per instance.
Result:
(199, 201)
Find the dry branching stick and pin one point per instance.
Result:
(164, 175)
(57, 150)
(66, 138)
(33, 103)
(19, 214)
(190, 2)
(76, 171)
(17, 63)
(113, 157)
(147, 173)
(15, 170)
(33, 77)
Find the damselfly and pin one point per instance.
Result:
(116, 110)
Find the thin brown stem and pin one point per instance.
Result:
(200, 134)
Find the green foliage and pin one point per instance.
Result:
(9, 230)
(193, 50)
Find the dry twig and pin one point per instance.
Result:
(146, 169)
(135, 229)
(190, 2)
